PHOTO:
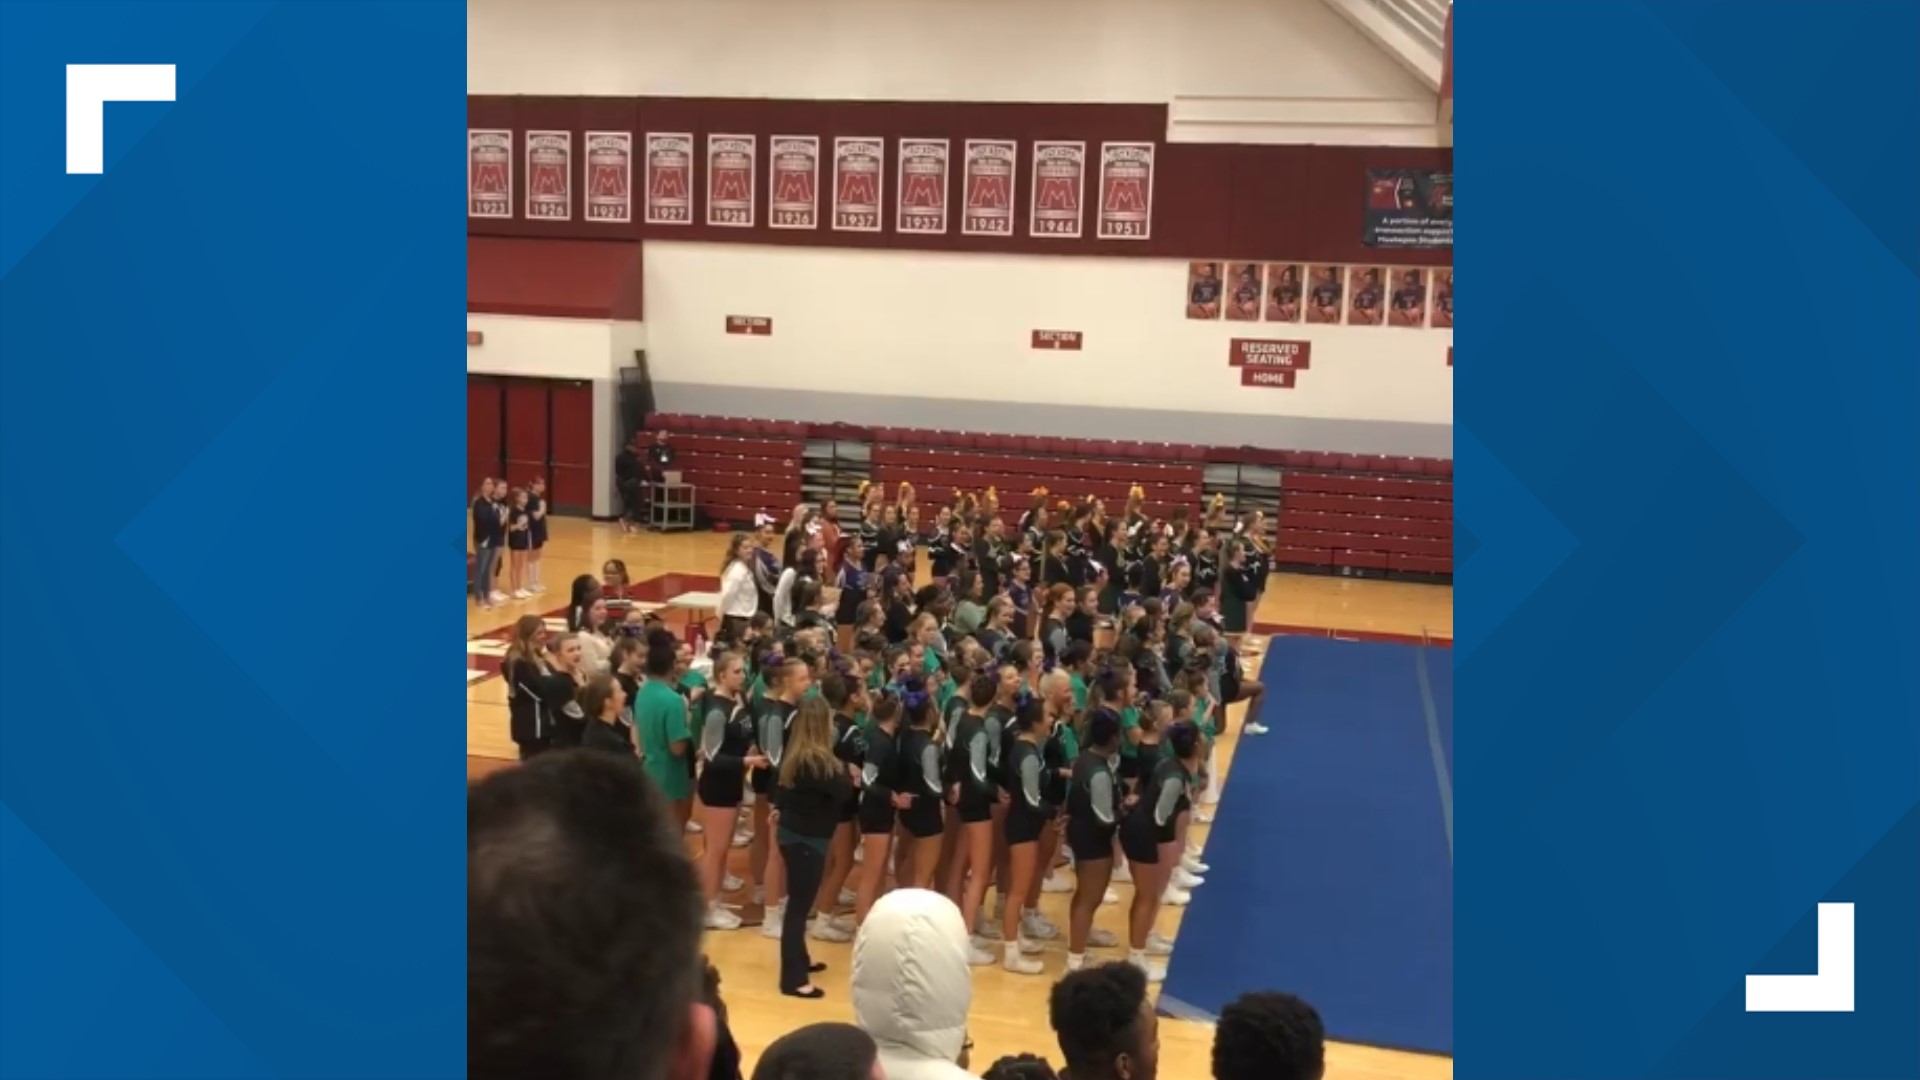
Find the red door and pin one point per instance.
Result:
(572, 415)
(527, 430)
(485, 455)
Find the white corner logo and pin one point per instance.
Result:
(1829, 989)
(89, 88)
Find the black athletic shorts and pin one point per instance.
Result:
(1139, 842)
(974, 807)
(876, 816)
(1024, 825)
(1089, 840)
(762, 780)
(720, 787)
(923, 819)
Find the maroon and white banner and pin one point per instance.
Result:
(1059, 189)
(610, 176)
(549, 176)
(793, 182)
(858, 175)
(1272, 378)
(1254, 352)
(1126, 191)
(489, 173)
(731, 166)
(987, 179)
(669, 178)
(922, 190)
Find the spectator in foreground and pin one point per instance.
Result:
(1269, 1037)
(912, 987)
(1106, 1023)
(821, 1052)
(583, 928)
(1020, 1067)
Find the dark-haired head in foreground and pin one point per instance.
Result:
(1106, 1024)
(583, 928)
(821, 1052)
(1020, 1067)
(1269, 1037)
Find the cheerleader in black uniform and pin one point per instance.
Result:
(1206, 562)
(886, 540)
(1080, 540)
(941, 553)
(559, 690)
(973, 792)
(1173, 588)
(1106, 555)
(524, 664)
(1028, 816)
(1149, 834)
(519, 542)
(1053, 564)
(1020, 590)
(788, 680)
(1033, 523)
(920, 772)
(880, 802)
(988, 551)
(766, 566)
(996, 636)
(537, 510)
(852, 583)
(846, 698)
(727, 747)
(1260, 558)
(869, 535)
(1239, 590)
(1094, 804)
(1054, 637)
(1084, 622)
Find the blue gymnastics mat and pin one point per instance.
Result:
(1331, 849)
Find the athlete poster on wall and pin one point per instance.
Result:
(1409, 208)
(858, 165)
(669, 178)
(732, 164)
(1126, 191)
(1366, 295)
(793, 182)
(987, 185)
(610, 176)
(1243, 292)
(1283, 292)
(1203, 290)
(1059, 189)
(489, 173)
(922, 188)
(1442, 308)
(1407, 297)
(549, 175)
(1326, 287)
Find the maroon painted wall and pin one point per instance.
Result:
(1300, 203)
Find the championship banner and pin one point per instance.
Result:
(1059, 189)
(1366, 295)
(987, 179)
(1126, 191)
(922, 189)
(610, 176)
(489, 173)
(1253, 352)
(1408, 298)
(1326, 288)
(1244, 292)
(549, 176)
(669, 179)
(857, 179)
(1409, 208)
(731, 166)
(1442, 311)
(793, 182)
(1203, 290)
(1283, 293)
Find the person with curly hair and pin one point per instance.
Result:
(1106, 1023)
(1269, 1037)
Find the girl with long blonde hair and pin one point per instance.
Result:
(813, 786)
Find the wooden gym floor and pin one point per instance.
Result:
(1009, 1012)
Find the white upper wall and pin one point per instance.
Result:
(1138, 51)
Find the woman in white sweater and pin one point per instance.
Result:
(739, 597)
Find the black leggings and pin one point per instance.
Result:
(805, 865)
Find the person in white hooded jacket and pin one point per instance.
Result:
(912, 986)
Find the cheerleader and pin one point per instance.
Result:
(488, 539)
(1178, 579)
(846, 698)
(1054, 638)
(1215, 521)
(787, 681)
(1062, 746)
(727, 747)
(886, 540)
(603, 708)
(1028, 817)
(537, 511)
(941, 551)
(796, 534)
(973, 793)
(766, 568)
(988, 551)
(559, 689)
(869, 534)
(1238, 590)
(1094, 804)
(806, 609)
(1206, 561)
(527, 719)
(738, 601)
(852, 585)
(1053, 561)
(969, 613)
(881, 800)
(1133, 520)
(1020, 591)
(1149, 836)
(519, 543)
(1033, 523)
(1084, 620)
(920, 773)
(996, 637)
(1080, 541)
